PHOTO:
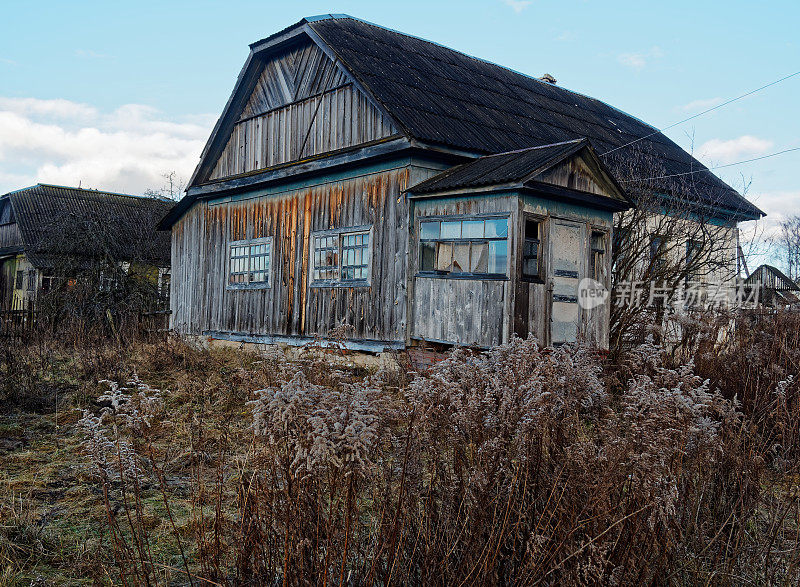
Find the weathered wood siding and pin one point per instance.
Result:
(303, 105)
(579, 173)
(10, 235)
(534, 308)
(292, 306)
(464, 311)
(486, 312)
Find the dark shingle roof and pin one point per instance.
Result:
(58, 219)
(441, 96)
(499, 169)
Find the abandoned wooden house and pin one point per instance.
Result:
(50, 233)
(364, 177)
(773, 288)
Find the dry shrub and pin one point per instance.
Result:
(515, 466)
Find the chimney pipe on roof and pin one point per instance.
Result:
(549, 79)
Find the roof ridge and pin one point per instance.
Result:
(547, 146)
(92, 191)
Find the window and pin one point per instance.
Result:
(464, 247)
(48, 283)
(657, 253)
(326, 258)
(693, 252)
(355, 256)
(250, 263)
(532, 250)
(31, 279)
(19, 280)
(597, 255)
(341, 257)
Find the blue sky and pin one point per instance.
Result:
(113, 94)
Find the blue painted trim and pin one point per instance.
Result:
(296, 185)
(370, 346)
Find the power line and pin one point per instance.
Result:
(716, 167)
(750, 93)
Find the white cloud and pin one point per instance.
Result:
(64, 142)
(701, 104)
(518, 5)
(634, 60)
(720, 152)
(57, 108)
(638, 61)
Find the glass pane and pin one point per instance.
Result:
(472, 229)
(498, 254)
(451, 229)
(530, 258)
(598, 241)
(428, 262)
(497, 227)
(479, 258)
(461, 258)
(444, 257)
(530, 267)
(531, 229)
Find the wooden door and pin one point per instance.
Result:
(565, 258)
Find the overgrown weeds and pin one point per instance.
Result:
(520, 465)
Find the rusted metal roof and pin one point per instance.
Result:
(59, 220)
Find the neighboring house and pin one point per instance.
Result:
(365, 177)
(773, 288)
(46, 230)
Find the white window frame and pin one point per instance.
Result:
(486, 276)
(338, 234)
(268, 240)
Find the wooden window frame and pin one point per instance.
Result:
(541, 265)
(597, 254)
(439, 240)
(338, 234)
(267, 240)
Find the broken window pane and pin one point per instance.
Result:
(479, 258)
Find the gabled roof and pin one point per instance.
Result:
(523, 168)
(771, 277)
(499, 169)
(445, 97)
(441, 98)
(55, 219)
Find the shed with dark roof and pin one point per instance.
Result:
(43, 225)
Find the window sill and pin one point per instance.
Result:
(473, 276)
(536, 280)
(238, 286)
(341, 284)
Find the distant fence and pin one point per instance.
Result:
(17, 323)
(25, 318)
